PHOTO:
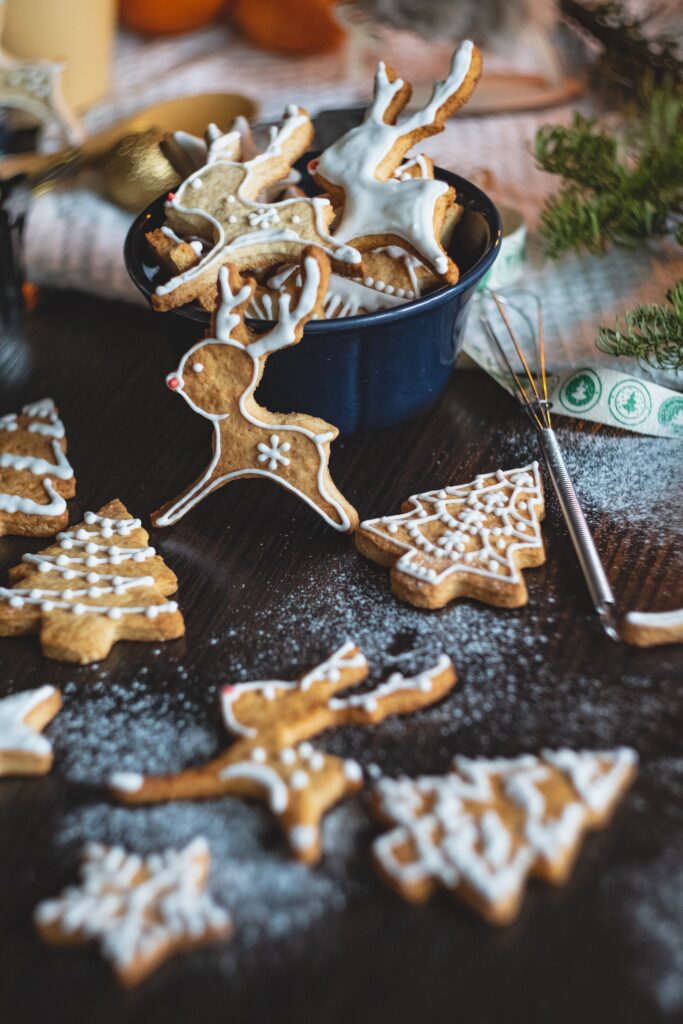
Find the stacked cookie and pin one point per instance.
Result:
(383, 220)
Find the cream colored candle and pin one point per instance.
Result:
(78, 32)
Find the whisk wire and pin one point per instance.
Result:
(536, 404)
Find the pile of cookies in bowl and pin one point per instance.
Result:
(406, 245)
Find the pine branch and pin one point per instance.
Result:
(650, 333)
(620, 186)
(632, 47)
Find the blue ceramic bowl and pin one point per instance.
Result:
(361, 373)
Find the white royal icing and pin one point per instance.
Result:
(512, 496)
(60, 468)
(133, 917)
(404, 208)
(79, 553)
(344, 297)
(282, 335)
(328, 671)
(396, 682)
(454, 843)
(656, 620)
(267, 778)
(15, 734)
(127, 782)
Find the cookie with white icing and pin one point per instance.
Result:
(391, 278)
(23, 716)
(465, 540)
(99, 583)
(220, 204)
(36, 478)
(141, 910)
(272, 758)
(217, 377)
(377, 207)
(483, 829)
(652, 629)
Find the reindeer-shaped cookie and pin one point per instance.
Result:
(272, 758)
(218, 377)
(359, 170)
(219, 204)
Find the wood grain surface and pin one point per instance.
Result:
(267, 590)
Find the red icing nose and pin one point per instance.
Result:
(172, 383)
(313, 165)
(170, 196)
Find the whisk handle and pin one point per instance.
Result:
(582, 539)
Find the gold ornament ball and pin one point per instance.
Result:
(135, 171)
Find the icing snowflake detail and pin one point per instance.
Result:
(273, 453)
(263, 218)
(140, 909)
(476, 528)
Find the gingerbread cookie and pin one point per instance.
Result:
(217, 377)
(483, 829)
(23, 716)
(141, 910)
(272, 759)
(469, 540)
(100, 583)
(377, 207)
(35, 474)
(651, 629)
(219, 203)
(392, 277)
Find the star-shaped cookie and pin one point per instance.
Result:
(141, 910)
(23, 716)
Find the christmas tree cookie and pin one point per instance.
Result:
(272, 758)
(141, 910)
(483, 829)
(468, 540)
(36, 477)
(99, 583)
(23, 716)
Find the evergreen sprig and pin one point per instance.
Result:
(650, 333)
(632, 46)
(620, 185)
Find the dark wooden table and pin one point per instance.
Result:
(267, 590)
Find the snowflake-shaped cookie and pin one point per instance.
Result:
(140, 909)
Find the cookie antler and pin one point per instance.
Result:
(357, 169)
(272, 759)
(218, 378)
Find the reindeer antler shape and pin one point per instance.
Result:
(272, 758)
(217, 377)
(358, 170)
(220, 204)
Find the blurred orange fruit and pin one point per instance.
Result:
(167, 17)
(289, 26)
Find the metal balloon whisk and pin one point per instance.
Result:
(532, 392)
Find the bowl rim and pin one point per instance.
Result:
(476, 196)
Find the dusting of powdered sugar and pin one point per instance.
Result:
(649, 898)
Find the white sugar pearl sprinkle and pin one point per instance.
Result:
(299, 780)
